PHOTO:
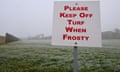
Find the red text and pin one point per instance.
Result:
(71, 29)
(69, 37)
(66, 15)
(73, 22)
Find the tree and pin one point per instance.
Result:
(117, 33)
(117, 30)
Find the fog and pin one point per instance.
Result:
(25, 18)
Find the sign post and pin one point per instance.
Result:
(76, 23)
(75, 66)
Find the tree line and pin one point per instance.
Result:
(115, 34)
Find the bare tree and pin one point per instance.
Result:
(117, 33)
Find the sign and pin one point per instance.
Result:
(76, 23)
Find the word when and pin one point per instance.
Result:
(71, 29)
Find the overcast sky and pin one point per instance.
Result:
(32, 17)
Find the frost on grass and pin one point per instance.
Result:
(42, 57)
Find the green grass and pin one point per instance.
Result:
(40, 56)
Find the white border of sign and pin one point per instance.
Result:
(92, 25)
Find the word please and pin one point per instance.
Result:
(76, 8)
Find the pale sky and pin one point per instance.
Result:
(25, 18)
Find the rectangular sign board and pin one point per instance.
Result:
(76, 23)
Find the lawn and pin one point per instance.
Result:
(40, 56)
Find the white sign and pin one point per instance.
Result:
(76, 23)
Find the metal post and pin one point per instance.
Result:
(75, 59)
